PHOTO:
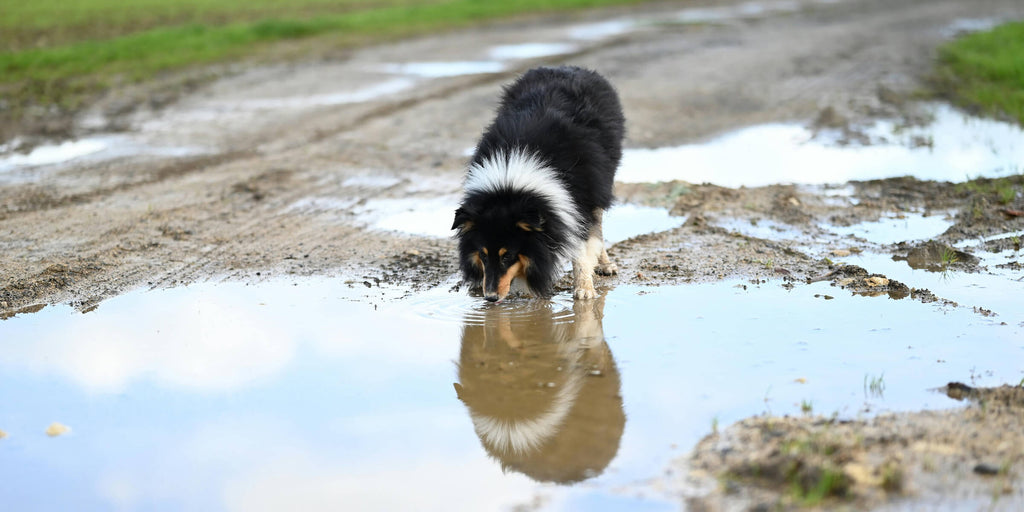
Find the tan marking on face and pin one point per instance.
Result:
(501, 252)
(514, 271)
(526, 226)
(478, 262)
(525, 262)
(485, 252)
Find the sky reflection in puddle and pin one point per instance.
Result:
(433, 216)
(894, 229)
(98, 148)
(529, 50)
(317, 393)
(996, 289)
(444, 69)
(961, 147)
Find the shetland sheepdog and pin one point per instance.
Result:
(538, 184)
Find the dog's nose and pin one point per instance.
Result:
(491, 298)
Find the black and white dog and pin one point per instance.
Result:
(539, 183)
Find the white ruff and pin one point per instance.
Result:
(522, 171)
(524, 436)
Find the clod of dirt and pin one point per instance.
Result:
(857, 280)
(935, 256)
(1008, 396)
(771, 463)
(34, 308)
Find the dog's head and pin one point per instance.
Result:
(498, 244)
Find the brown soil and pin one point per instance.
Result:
(967, 459)
(250, 207)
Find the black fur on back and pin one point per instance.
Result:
(571, 120)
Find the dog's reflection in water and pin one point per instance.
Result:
(543, 391)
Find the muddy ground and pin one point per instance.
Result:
(280, 189)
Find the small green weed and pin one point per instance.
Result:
(830, 483)
(949, 257)
(806, 406)
(874, 386)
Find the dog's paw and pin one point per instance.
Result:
(607, 269)
(584, 293)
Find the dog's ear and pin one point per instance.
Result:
(463, 220)
(531, 222)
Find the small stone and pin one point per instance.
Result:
(986, 469)
(845, 282)
(840, 252)
(876, 281)
(56, 429)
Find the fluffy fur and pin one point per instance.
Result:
(538, 183)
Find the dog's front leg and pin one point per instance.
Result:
(583, 268)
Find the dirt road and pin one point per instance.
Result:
(287, 169)
(265, 172)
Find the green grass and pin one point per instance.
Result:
(985, 71)
(60, 52)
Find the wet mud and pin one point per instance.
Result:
(965, 459)
(779, 166)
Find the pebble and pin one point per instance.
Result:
(986, 469)
(876, 281)
(55, 429)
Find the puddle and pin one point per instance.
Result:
(99, 148)
(433, 217)
(959, 147)
(995, 289)
(735, 12)
(530, 50)
(624, 221)
(602, 30)
(764, 228)
(890, 230)
(724, 14)
(443, 69)
(369, 93)
(967, 25)
(234, 397)
(377, 181)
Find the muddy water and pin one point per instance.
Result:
(235, 397)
